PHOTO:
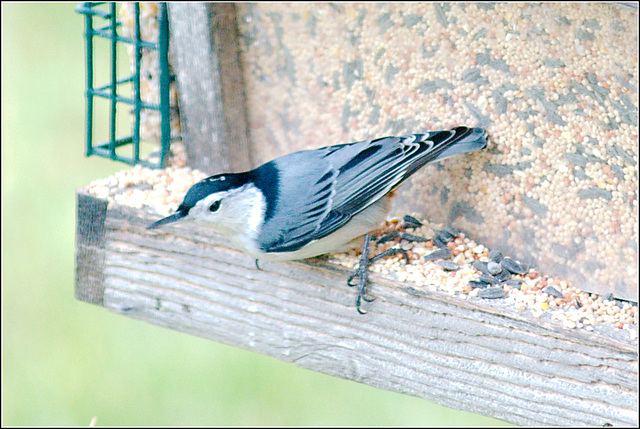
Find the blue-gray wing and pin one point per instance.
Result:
(326, 187)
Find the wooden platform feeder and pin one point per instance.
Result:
(469, 355)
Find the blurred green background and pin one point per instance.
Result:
(65, 362)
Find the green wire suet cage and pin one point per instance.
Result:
(101, 22)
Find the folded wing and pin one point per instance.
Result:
(337, 182)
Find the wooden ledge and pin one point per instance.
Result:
(465, 355)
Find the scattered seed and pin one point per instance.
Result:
(487, 278)
(482, 267)
(479, 249)
(513, 266)
(514, 283)
(492, 292)
(444, 253)
(503, 276)
(413, 238)
(495, 256)
(477, 284)
(451, 231)
(445, 236)
(449, 265)
(411, 222)
(550, 290)
(494, 268)
(438, 242)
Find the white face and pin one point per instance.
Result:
(237, 213)
(212, 208)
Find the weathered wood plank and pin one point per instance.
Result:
(90, 236)
(461, 354)
(211, 87)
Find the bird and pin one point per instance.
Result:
(314, 202)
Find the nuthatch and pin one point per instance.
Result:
(313, 202)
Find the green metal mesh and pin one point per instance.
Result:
(101, 22)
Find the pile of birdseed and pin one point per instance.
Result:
(554, 84)
(160, 191)
(442, 258)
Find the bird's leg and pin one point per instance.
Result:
(361, 273)
(365, 261)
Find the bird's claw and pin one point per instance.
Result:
(365, 261)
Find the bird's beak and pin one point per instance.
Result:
(169, 219)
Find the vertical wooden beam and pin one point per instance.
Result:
(211, 91)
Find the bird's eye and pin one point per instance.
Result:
(215, 206)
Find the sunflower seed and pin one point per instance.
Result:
(449, 265)
(550, 290)
(492, 292)
(488, 279)
(411, 222)
(495, 256)
(514, 283)
(481, 266)
(477, 284)
(445, 253)
(513, 266)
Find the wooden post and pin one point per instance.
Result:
(468, 355)
(210, 86)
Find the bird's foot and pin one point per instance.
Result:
(361, 274)
(362, 271)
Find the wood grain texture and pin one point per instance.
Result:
(461, 354)
(211, 87)
(90, 236)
